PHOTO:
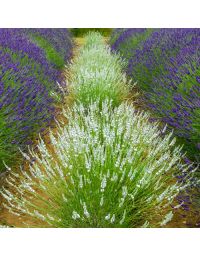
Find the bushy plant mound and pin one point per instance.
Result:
(165, 63)
(28, 87)
(97, 74)
(57, 43)
(128, 40)
(106, 169)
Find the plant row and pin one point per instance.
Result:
(31, 63)
(108, 166)
(165, 64)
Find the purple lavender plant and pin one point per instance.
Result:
(166, 66)
(27, 80)
(59, 38)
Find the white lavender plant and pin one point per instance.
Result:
(107, 168)
(97, 74)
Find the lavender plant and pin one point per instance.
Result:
(151, 59)
(97, 74)
(107, 168)
(27, 85)
(165, 65)
(179, 94)
(128, 40)
(57, 43)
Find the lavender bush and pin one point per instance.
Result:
(165, 63)
(57, 43)
(27, 84)
(128, 40)
(107, 168)
(98, 74)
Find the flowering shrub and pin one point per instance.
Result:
(57, 43)
(128, 40)
(28, 81)
(98, 74)
(115, 34)
(166, 66)
(106, 169)
(179, 95)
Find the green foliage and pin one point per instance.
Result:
(51, 54)
(79, 32)
(7, 150)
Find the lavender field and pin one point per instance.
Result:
(100, 128)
